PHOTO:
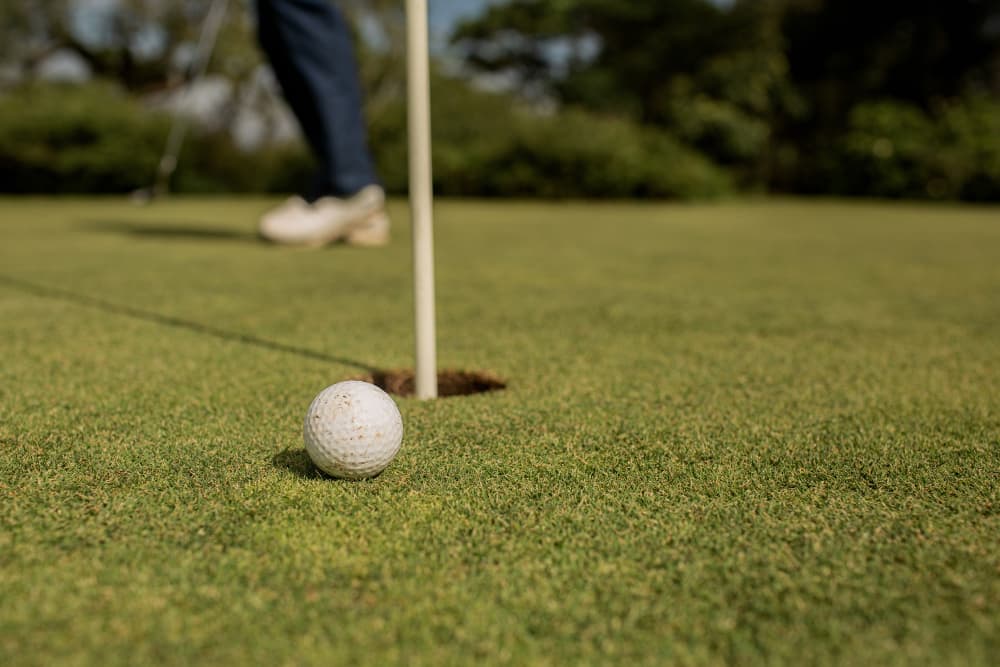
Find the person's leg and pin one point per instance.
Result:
(310, 48)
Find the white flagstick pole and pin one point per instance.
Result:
(421, 195)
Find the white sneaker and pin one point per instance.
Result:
(360, 220)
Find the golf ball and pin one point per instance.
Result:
(353, 430)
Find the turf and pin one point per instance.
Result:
(746, 433)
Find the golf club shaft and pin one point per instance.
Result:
(178, 129)
(421, 195)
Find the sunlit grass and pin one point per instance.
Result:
(736, 433)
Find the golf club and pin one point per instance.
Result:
(178, 128)
(421, 195)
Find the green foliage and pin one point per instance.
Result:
(765, 87)
(643, 44)
(971, 130)
(76, 139)
(916, 52)
(888, 152)
(728, 109)
(138, 44)
(674, 98)
(577, 153)
(486, 145)
(212, 163)
(714, 78)
(893, 149)
(97, 139)
(719, 128)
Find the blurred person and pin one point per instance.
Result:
(310, 47)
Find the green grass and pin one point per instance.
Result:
(740, 433)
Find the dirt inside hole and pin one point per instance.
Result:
(450, 383)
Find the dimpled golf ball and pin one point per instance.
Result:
(353, 430)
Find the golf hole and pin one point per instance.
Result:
(450, 383)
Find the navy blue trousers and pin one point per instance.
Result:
(311, 51)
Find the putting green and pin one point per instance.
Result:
(755, 432)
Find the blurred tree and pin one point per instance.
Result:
(843, 52)
(846, 54)
(136, 43)
(716, 76)
(146, 45)
(756, 84)
(624, 56)
(603, 54)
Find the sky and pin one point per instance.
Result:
(445, 13)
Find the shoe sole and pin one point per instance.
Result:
(372, 232)
(369, 232)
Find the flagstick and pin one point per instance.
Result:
(421, 196)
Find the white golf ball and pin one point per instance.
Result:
(353, 430)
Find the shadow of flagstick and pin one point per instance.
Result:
(176, 322)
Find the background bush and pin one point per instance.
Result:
(94, 138)
(57, 139)
(971, 146)
(485, 145)
(898, 150)
(62, 139)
